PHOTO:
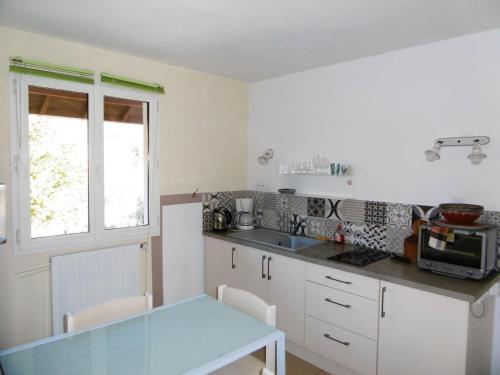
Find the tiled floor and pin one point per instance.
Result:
(295, 365)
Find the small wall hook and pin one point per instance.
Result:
(195, 193)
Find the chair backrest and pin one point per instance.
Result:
(255, 306)
(108, 311)
(248, 303)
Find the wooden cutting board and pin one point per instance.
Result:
(411, 242)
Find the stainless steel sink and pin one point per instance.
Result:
(276, 239)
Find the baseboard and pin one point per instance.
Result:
(318, 360)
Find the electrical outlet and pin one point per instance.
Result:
(261, 186)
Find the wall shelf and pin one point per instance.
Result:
(315, 174)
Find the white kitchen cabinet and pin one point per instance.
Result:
(353, 351)
(252, 271)
(280, 281)
(345, 310)
(342, 280)
(276, 279)
(421, 332)
(221, 261)
(287, 292)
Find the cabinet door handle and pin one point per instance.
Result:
(340, 281)
(233, 266)
(337, 303)
(346, 343)
(262, 268)
(268, 272)
(382, 312)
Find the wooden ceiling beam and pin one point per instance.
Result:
(58, 94)
(127, 113)
(45, 105)
(82, 97)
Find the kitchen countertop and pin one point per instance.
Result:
(393, 271)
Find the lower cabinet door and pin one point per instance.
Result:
(287, 291)
(421, 332)
(221, 266)
(230, 268)
(353, 351)
(252, 271)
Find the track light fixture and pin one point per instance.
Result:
(476, 156)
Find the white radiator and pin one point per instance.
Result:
(87, 278)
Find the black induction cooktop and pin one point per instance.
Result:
(360, 256)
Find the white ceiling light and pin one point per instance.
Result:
(476, 156)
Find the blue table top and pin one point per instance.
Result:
(169, 340)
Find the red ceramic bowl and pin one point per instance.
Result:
(461, 214)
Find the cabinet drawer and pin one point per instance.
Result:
(351, 350)
(355, 313)
(346, 281)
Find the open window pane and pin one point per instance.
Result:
(125, 163)
(58, 162)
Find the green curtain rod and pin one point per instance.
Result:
(33, 67)
(34, 64)
(132, 83)
(38, 68)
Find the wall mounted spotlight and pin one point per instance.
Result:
(433, 154)
(476, 156)
(265, 157)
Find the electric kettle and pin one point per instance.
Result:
(222, 219)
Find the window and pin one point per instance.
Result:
(85, 162)
(58, 162)
(125, 162)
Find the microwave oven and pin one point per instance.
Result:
(472, 254)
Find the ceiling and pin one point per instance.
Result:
(252, 40)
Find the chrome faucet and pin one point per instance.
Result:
(296, 225)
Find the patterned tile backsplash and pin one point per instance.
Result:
(377, 225)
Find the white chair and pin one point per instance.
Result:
(252, 305)
(108, 311)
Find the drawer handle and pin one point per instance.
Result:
(268, 271)
(346, 343)
(262, 266)
(337, 303)
(340, 281)
(233, 266)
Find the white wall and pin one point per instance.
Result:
(382, 113)
(183, 252)
(202, 118)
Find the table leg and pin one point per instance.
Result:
(280, 355)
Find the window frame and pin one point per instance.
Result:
(98, 235)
